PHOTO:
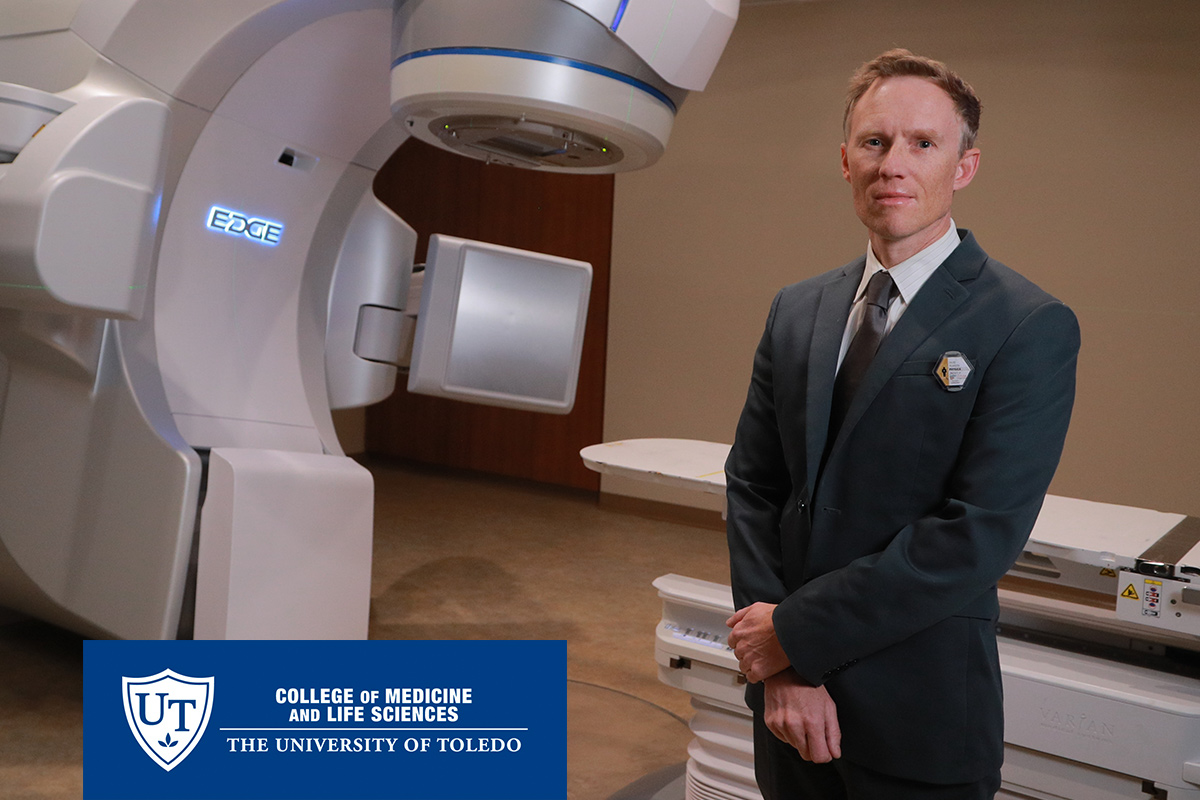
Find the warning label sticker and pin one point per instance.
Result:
(1130, 593)
(1151, 597)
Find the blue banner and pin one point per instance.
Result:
(377, 720)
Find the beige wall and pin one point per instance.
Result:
(1089, 185)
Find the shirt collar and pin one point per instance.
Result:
(911, 273)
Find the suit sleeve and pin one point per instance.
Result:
(939, 564)
(757, 488)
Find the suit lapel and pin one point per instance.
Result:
(938, 298)
(828, 329)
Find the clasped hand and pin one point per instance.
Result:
(804, 716)
(798, 713)
(753, 640)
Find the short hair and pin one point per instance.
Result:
(899, 63)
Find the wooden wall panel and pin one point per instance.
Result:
(564, 215)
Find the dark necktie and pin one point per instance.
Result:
(880, 291)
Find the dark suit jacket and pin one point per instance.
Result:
(884, 558)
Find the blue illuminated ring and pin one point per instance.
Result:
(566, 62)
(620, 13)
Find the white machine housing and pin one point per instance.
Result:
(194, 271)
(571, 85)
(500, 326)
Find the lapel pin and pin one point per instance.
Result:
(952, 370)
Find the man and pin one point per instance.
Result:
(871, 515)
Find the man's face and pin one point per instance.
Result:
(902, 161)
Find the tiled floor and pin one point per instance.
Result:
(460, 557)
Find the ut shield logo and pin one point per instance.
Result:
(167, 713)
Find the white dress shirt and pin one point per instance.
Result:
(910, 275)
